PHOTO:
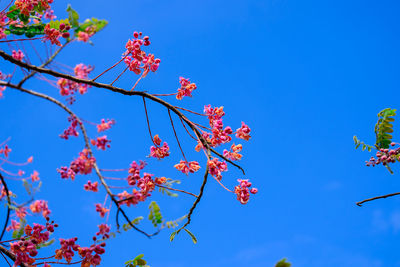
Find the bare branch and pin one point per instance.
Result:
(378, 197)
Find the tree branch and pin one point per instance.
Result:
(10, 255)
(3, 182)
(378, 197)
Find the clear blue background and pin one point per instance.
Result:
(305, 75)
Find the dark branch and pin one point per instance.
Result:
(8, 205)
(10, 255)
(378, 197)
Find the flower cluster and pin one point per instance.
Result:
(90, 259)
(26, 248)
(102, 210)
(18, 55)
(105, 125)
(385, 156)
(35, 176)
(71, 130)
(220, 135)
(28, 6)
(84, 36)
(243, 132)
(145, 184)
(186, 88)
(158, 151)
(5, 150)
(67, 249)
(104, 229)
(216, 167)
(14, 226)
(242, 191)
(69, 88)
(134, 172)
(82, 165)
(53, 34)
(89, 186)
(234, 153)
(40, 206)
(2, 89)
(186, 167)
(101, 142)
(21, 212)
(136, 59)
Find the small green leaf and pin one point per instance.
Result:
(73, 17)
(283, 263)
(194, 239)
(172, 236)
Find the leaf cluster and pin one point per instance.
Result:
(384, 128)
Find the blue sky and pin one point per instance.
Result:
(305, 75)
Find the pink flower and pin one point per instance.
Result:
(18, 55)
(21, 212)
(187, 167)
(102, 210)
(233, 154)
(158, 151)
(83, 165)
(71, 130)
(50, 14)
(242, 191)
(35, 176)
(105, 125)
(104, 229)
(2, 89)
(40, 206)
(101, 142)
(243, 132)
(136, 59)
(216, 167)
(5, 151)
(89, 186)
(83, 36)
(186, 88)
(14, 226)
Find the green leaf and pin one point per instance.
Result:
(383, 127)
(46, 244)
(136, 221)
(155, 215)
(95, 25)
(73, 17)
(13, 12)
(19, 232)
(194, 239)
(283, 263)
(172, 236)
(23, 18)
(27, 186)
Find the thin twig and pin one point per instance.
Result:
(3, 182)
(378, 197)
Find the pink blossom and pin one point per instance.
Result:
(102, 210)
(186, 167)
(35, 176)
(105, 125)
(216, 167)
(101, 142)
(14, 226)
(243, 132)
(242, 191)
(158, 151)
(18, 55)
(89, 186)
(40, 206)
(186, 88)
